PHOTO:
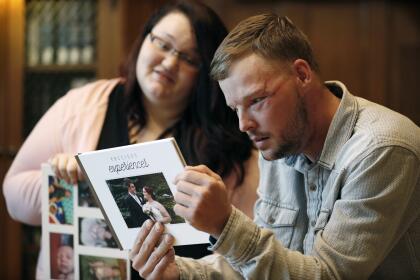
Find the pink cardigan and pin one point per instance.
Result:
(72, 125)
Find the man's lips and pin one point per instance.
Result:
(258, 139)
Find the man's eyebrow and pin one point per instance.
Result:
(246, 98)
(256, 92)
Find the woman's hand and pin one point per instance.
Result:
(65, 167)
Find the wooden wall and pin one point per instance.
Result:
(11, 62)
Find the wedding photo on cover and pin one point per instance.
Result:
(144, 197)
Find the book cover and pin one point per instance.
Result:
(134, 183)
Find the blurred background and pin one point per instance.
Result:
(50, 46)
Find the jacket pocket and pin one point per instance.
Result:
(280, 220)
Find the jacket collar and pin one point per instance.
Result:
(339, 132)
(341, 127)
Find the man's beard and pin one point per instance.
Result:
(293, 137)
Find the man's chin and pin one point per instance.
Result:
(270, 155)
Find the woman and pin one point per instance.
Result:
(166, 91)
(156, 210)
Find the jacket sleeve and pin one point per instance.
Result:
(213, 267)
(256, 253)
(364, 226)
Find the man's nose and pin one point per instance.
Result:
(246, 122)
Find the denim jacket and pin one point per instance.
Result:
(352, 214)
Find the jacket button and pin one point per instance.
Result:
(313, 223)
(270, 220)
(312, 187)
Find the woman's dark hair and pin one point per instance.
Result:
(149, 190)
(207, 132)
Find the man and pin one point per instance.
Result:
(339, 189)
(135, 206)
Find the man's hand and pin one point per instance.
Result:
(202, 199)
(153, 255)
(65, 167)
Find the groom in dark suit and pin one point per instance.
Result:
(134, 204)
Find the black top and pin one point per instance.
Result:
(114, 131)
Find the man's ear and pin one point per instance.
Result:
(303, 71)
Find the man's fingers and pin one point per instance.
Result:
(186, 192)
(144, 231)
(203, 169)
(182, 211)
(165, 245)
(160, 268)
(191, 182)
(148, 246)
(193, 176)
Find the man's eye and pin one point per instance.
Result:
(256, 100)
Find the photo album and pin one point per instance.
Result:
(77, 242)
(134, 183)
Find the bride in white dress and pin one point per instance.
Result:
(153, 208)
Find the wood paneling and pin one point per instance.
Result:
(109, 42)
(404, 55)
(11, 63)
(337, 42)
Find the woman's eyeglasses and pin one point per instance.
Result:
(167, 47)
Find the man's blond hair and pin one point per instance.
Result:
(268, 35)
